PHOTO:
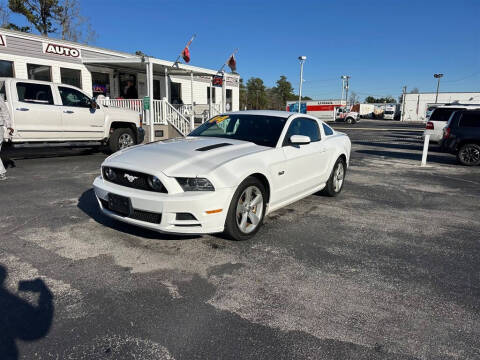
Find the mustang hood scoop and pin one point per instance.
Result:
(211, 147)
(184, 157)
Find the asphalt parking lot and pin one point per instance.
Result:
(388, 270)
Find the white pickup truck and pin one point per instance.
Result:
(48, 113)
(350, 117)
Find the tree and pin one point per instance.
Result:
(40, 13)
(284, 89)
(74, 26)
(372, 100)
(353, 98)
(256, 94)
(243, 95)
(5, 20)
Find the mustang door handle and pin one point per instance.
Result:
(22, 109)
(68, 111)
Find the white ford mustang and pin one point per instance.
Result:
(226, 175)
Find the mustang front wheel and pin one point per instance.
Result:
(247, 209)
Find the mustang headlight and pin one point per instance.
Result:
(155, 183)
(109, 174)
(195, 184)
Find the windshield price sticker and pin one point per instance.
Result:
(219, 119)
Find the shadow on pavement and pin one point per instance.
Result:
(89, 205)
(450, 160)
(40, 153)
(19, 320)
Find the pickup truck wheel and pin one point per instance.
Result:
(469, 154)
(121, 139)
(349, 120)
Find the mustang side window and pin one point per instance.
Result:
(327, 130)
(72, 97)
(302, 126)
(35, 93)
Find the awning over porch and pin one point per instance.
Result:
(156, 67)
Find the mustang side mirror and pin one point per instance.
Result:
(299, 140)
(93, 105)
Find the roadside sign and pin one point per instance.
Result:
(146, 103)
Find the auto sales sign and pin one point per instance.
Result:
(61, 50)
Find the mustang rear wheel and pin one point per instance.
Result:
(337, 177)
(469, 154)
(247, 210)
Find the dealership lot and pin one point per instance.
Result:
(389, 270)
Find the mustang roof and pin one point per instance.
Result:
(284, 114)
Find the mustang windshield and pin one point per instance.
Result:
(259, 129)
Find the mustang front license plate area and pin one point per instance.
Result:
(119, 204)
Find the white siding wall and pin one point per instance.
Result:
(416, 104)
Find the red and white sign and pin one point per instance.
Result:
(3, 40)
(62, 50)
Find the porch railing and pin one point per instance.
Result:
(164, 113)
(175, 118)
(132, 104)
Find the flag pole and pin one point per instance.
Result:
(225, 63)
(188, 44)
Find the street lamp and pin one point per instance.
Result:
(302, 61)
(343, 77)
(438, 77)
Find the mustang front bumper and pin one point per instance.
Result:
(159, 211)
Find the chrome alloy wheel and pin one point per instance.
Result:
(124, 141)
(338, 177)
(249, 209)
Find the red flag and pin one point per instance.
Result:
(186, 54)
(232, 63)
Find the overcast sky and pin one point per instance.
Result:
(382, 44)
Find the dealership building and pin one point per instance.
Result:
(414, 106)
(173, 96)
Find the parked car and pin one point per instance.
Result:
(462, 136)
(44, 112)
(226, 175)
(439, 118)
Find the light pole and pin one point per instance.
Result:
(343, 77)
(438, 77)
(302, 61)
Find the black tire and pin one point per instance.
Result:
(232, 228)
(350, 120)
(114, 142)
(330, 189)
(469, 154)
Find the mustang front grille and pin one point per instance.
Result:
(132, 179)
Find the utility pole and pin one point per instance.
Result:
(347, 77)
(302, 61)
(404, 91)
(343, 87)
(438, 77)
